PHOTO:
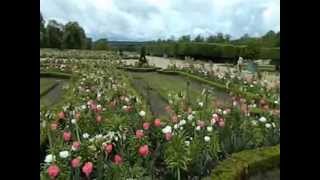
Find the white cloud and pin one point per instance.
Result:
(152, 19)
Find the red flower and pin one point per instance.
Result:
(53, 171)
(108, 148)
(139, 134)
(76, 145)
(117, 159)
(61, 115)
(87, 168)
(146, 125)
(168, 136)
(75, 163)
(67, 136)
(221, 123)
(144, 150)
(157, 122)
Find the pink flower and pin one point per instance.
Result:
(76, 145)
(67, 136)
(168, 136)
(54, 126)
(75, 163)
(61, 115)
(146, 125)
(144, 150)
(98, 118)
(157, 122)
(87, 168)
(53, 171)
(139, 134)
(108, 148)
(117, 159)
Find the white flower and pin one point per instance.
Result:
(214, 115)
(126, 99)
(124, 107)
(116, 138)
(200, 104)
(251, 85)
(91, 139)
(207, 138)
(73, 121)
(209, 128)
(190, 117)
(170, 101)
(181, 128)
(49, 158)
(276, 102)
(176, 126)
(234, 103)
(182, 122)
(254, 122)
(262, 119)
(142, 113)
(167, 129)
(198, 128)
(193, 112)
(85, 135)
(83, 106)
(268, 125)
(99, 106)
(219, 110)
(87, 90)
(187, 143)
(99, 136)
(225, 112)
(273, 124)
(64, 154)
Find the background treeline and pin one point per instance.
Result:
(69, 36)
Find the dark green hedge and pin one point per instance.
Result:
(137, 69)
(55, 75)
(208, 50)
(245, 163)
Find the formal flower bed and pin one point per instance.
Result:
(104, 130)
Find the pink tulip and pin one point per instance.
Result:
(139, 134)
(157, 122)
(168, 136)
(108, 148)
(76, 145)
(75, 163)
(98, 118)
(61, 115)
(53, 171)
(87, 168)
(117, 159)
(67, 136)
(146, 125)
(54, 126)
(144, 150)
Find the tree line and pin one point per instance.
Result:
(269, 40)
(68, 36)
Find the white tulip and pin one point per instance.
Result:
(215, 115)
(209, 128)
(207, 138)
(64, 154)
(190, 117)
(200, 104)
(181, 128)
(176, 126)
(182, 122)
(262, 119)
(273, 124)
(73, 121)
(268, 125)
(142, 113)
(85, 135)
(225, 112)
(254, 122)
(198, 128)
(167, 129)
(49, 158)
(187, 143)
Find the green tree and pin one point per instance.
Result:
(54, 34)
(185, 38)
(199, 38)
(88, 43)
(74, 36)
(101, 44)
(42, 31)
(211, 39)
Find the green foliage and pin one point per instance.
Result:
(241, 165)
(74, 36)
(101, 44)
(54, 34)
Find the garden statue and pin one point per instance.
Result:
(143, 59)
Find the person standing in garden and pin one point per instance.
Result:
(240, 63)
(143, 59)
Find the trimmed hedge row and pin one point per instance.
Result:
(55, 75)
(215, 84)
(208, 50)
(136, 69)
(245, 163)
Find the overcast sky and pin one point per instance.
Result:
(141, 20)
